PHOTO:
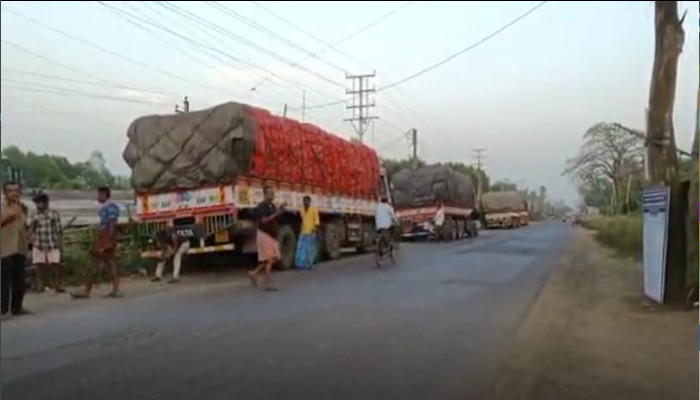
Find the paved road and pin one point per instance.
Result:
(432, 327)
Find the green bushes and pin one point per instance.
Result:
(622, 233)
(77, 244)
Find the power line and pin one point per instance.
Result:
(225, 32)
(75, 93)
(448, 59)
(107, 51)
(74, 69)
(392, 101)
(269, 32)
(133, 20)
(252, 45)
(466, 49)
(80, 81)
(329, 46)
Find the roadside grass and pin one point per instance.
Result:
(622, 233)
(76, 254)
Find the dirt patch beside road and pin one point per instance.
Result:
(589, 335)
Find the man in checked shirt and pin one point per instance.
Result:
(47, 237)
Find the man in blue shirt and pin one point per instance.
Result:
(105, 245)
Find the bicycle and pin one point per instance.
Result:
(385, 247)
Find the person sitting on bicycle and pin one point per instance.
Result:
(385, 219)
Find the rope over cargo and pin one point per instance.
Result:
(503, 202)
(215, 145)
(427, 184)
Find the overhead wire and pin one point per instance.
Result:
(333, 46)
(236, 15)
(75, 69)
(134, 20)
(107, 51)
(338, 42)
(466, 49)
(239, 17)
(252, 45)
(154, 22)
(75, 93)
(451, 57)
(80, 81)
(224, 32)
(192, 33)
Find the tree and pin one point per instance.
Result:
(661, 152)
(503, 186)
(478, 176)
(609, 153)
(55, 172)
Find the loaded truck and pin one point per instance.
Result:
(504, 210)
(203, 173)
(416, 192)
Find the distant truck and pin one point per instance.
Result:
(416, 192)
(203, 172)
(504, 210)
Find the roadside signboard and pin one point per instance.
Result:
(655, 203)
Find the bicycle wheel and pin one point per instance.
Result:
(379, 252)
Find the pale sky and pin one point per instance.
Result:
(527, 95)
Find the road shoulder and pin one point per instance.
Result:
(589, 335)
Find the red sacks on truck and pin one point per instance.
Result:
(215, 145)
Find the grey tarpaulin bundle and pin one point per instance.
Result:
(184, 151)
(503, 202)
(425, 185)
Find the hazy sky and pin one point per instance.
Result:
(526, 95)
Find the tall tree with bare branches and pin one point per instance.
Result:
(608, 153)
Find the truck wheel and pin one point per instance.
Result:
(288, 244)
(330, 242)
(367, 241)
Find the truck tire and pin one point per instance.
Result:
(450, 229)
(330, 242)
(287, 241)
(367, 243)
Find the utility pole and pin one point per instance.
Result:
(284, 111)
(479, 156)
(661, 146)
(414, 146)
(303, 106)
(361, 103)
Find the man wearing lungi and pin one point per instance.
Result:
(267, 215)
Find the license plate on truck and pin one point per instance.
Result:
(221, 236)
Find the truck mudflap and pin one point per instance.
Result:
(193, 250)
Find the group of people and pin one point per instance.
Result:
(42, 234)
(268, 215)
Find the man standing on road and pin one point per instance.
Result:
(306, 246)
(47, 239)
(266, 237)
(439, 221)
(105, 245)
(172, 247)
(13, 250)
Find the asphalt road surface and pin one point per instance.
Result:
(432, 327)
